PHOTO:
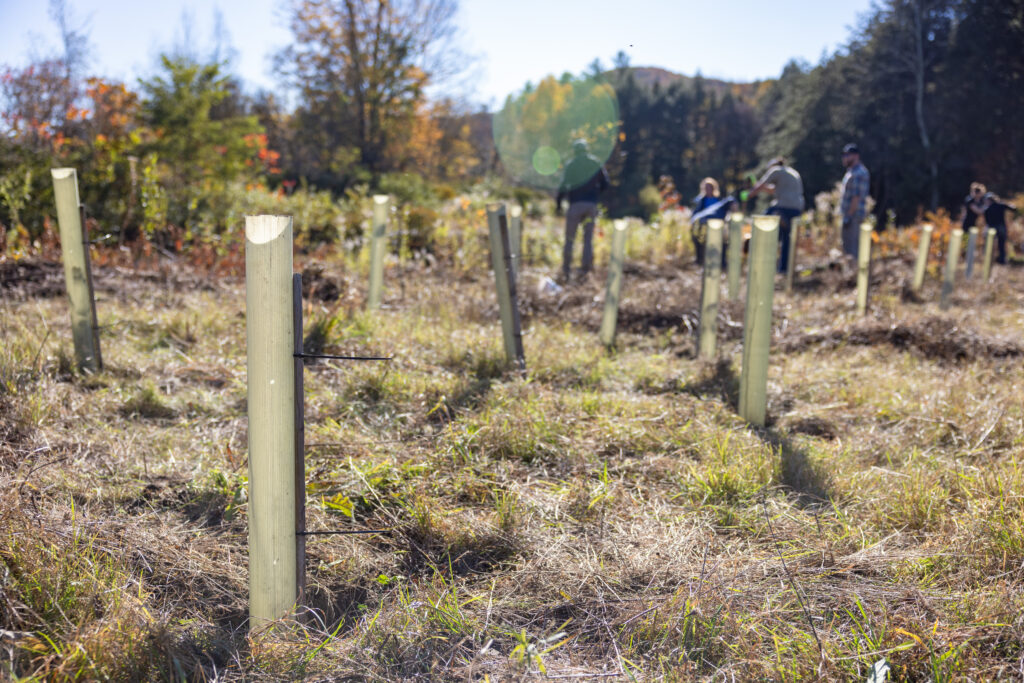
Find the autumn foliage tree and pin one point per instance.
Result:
(198, 152)
(361, 70)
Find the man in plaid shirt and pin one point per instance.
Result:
(853, 203)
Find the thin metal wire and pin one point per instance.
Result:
(344, 533)
(330, 357)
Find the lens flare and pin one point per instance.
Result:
(546, 160)
(536, 131)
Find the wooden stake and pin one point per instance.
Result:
(986, 263)
(273, 573)
(710, 286)
(613, 290)
(378, 243)
(515, 238)
(972, 246)
(952, 258)
(74, 245)
(757, 320)
(300, 439)
(504, 281)
(735, 255)
(863, 267)
(794, 230)
(923, 245)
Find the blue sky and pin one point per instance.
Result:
(509, 42)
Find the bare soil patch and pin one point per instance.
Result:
(932, 337)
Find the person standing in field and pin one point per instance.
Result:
(994, 210)
(709, 196)
(973, 206)
(788, 188)
(584, 180)
(853, 200)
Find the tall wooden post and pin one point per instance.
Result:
(74, 245)
(757, 319)
(735, 255)
(709, 291)
(504, 281)
(952, 258)
(863, 268)
(923, 245)
(273, 571)
(613, 290)
(378, 243)
(515, 238)
(986, 264)
(794, 231)
(972, 246)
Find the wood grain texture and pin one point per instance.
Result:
(515, 238)
(949, 276)
(84, 328)
(496, 212)
(273, 576)
(757, 320)
(972, 248)
(923, 245)
(378, 244)
(613, 288)
(735, 256)
(986, 262)
(863, 267)
(707, 344)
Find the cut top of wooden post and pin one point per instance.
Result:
(264, 229)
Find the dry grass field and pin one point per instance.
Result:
(606, 517)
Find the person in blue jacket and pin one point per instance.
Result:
(707, 204)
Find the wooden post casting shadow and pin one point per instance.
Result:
(794, 231)
(74, 245)
(972, 246)
(949, 277)
(709, 290)
(378, 243)
(863, 268)
(735, 255)
(986, 263)
(270, 361)
(923, 245)
(515, 238)
(504, 282)
(613, 290)
(757, 320)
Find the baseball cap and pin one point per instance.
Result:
(851, 149)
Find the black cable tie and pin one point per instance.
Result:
(343, 533)
(329, 357)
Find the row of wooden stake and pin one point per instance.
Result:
(275, 355)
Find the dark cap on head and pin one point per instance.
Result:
(777, 161)
(851, 149)
(580, 145)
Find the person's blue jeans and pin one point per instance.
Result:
(786, 217)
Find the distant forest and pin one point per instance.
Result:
(931, 90)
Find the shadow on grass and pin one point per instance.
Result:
(795, 471)
(716, 380)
